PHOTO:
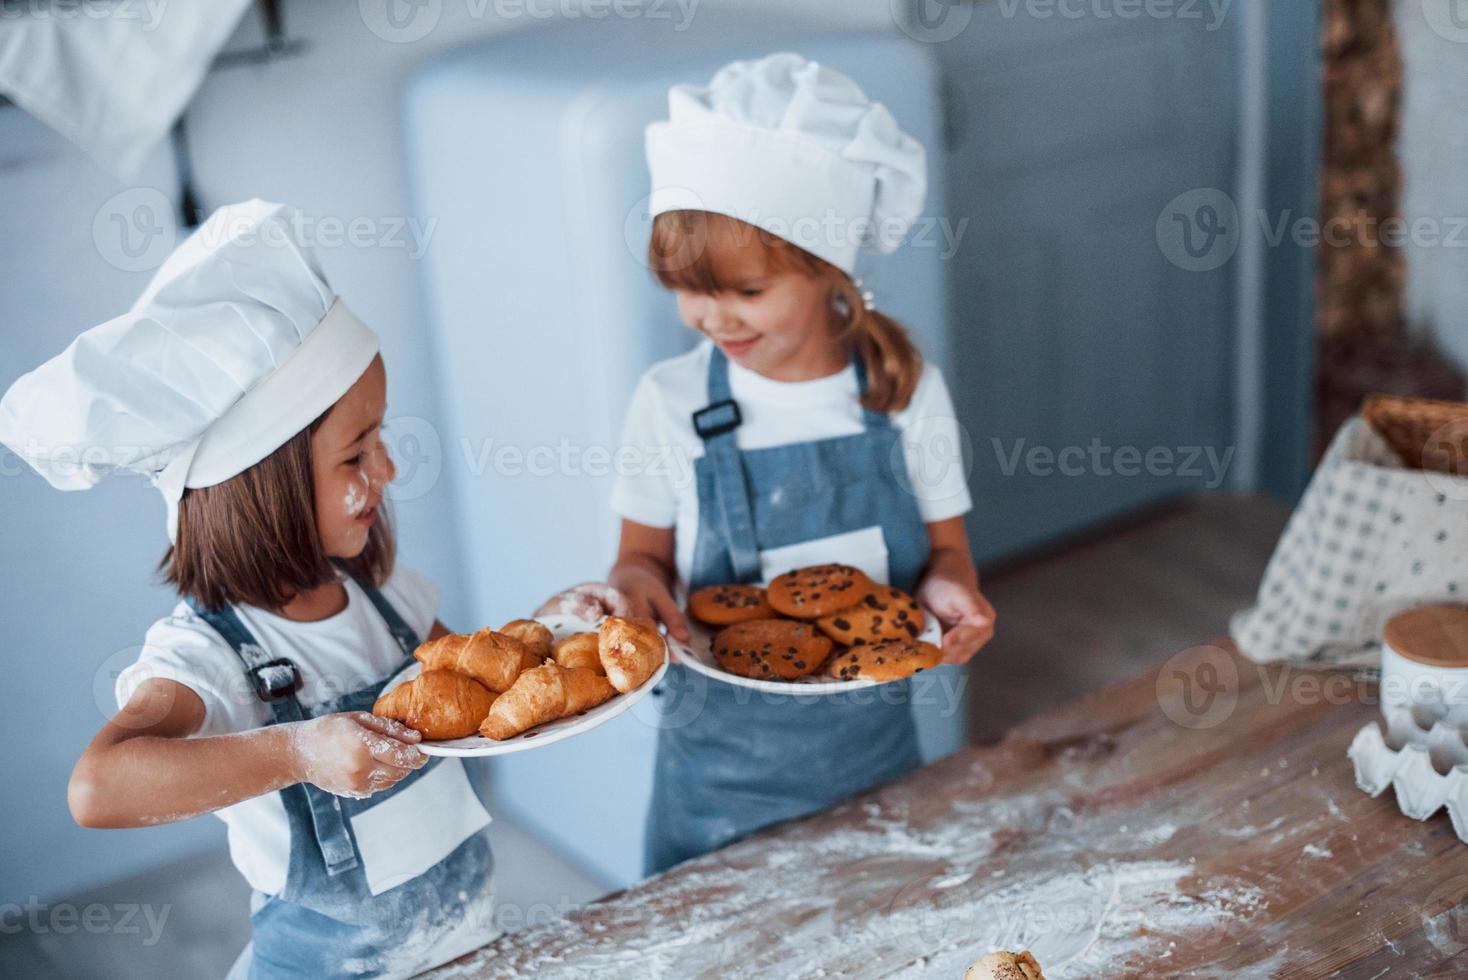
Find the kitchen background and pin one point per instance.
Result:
(1118, 257)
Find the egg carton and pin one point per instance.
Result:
(1425, 760)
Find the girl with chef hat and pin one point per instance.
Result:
(253, 399)
(817, 433)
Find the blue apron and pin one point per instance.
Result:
(326, 922)
(731, 760)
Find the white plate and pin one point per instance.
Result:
(551, 732)
(698, 655)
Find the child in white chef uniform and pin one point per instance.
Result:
(815, 429)
(254, 399)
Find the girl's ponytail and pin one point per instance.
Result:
(893, 363)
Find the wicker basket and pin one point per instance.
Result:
(1427, 434)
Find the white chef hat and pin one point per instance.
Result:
(236, 345)
(793, 147)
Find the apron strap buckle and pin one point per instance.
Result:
(276, 679)
(717, 419)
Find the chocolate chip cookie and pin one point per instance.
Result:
(888, 660)
(820, 590)
(725, 605)
(771, 649)
(886, 614)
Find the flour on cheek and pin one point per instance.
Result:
(355, 500)
(353, 534)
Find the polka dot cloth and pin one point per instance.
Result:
(1367, 540)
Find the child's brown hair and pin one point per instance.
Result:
(252, 540)
(685, 253)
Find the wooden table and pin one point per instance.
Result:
(1199, 820)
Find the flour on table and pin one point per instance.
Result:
(878, 897)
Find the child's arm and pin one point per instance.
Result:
(644, 573)
(142, 768)
(950, 588)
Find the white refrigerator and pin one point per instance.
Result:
(527, 150)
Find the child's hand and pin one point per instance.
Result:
(589, 601)
(650, 597)
(967, 617)
(354, 753)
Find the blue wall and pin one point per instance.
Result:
(76, 590)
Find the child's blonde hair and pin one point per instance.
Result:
(688, 250)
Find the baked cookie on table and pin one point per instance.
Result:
(771, 649)
(886, 660)
(1004, 965)
(820, 590)
(725, 605)
(886, 614)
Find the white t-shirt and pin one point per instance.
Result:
(655, 479)
(336, 655)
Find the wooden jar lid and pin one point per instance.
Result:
(1433, 635)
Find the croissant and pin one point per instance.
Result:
(580, 650)
(493, 659)
(631, 651)
(543, 694)
(537, 637)
(438, 703)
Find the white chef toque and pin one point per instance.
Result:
(237, 344)
(793, 147)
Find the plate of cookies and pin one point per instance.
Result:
(527, 684)
(823, 629)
